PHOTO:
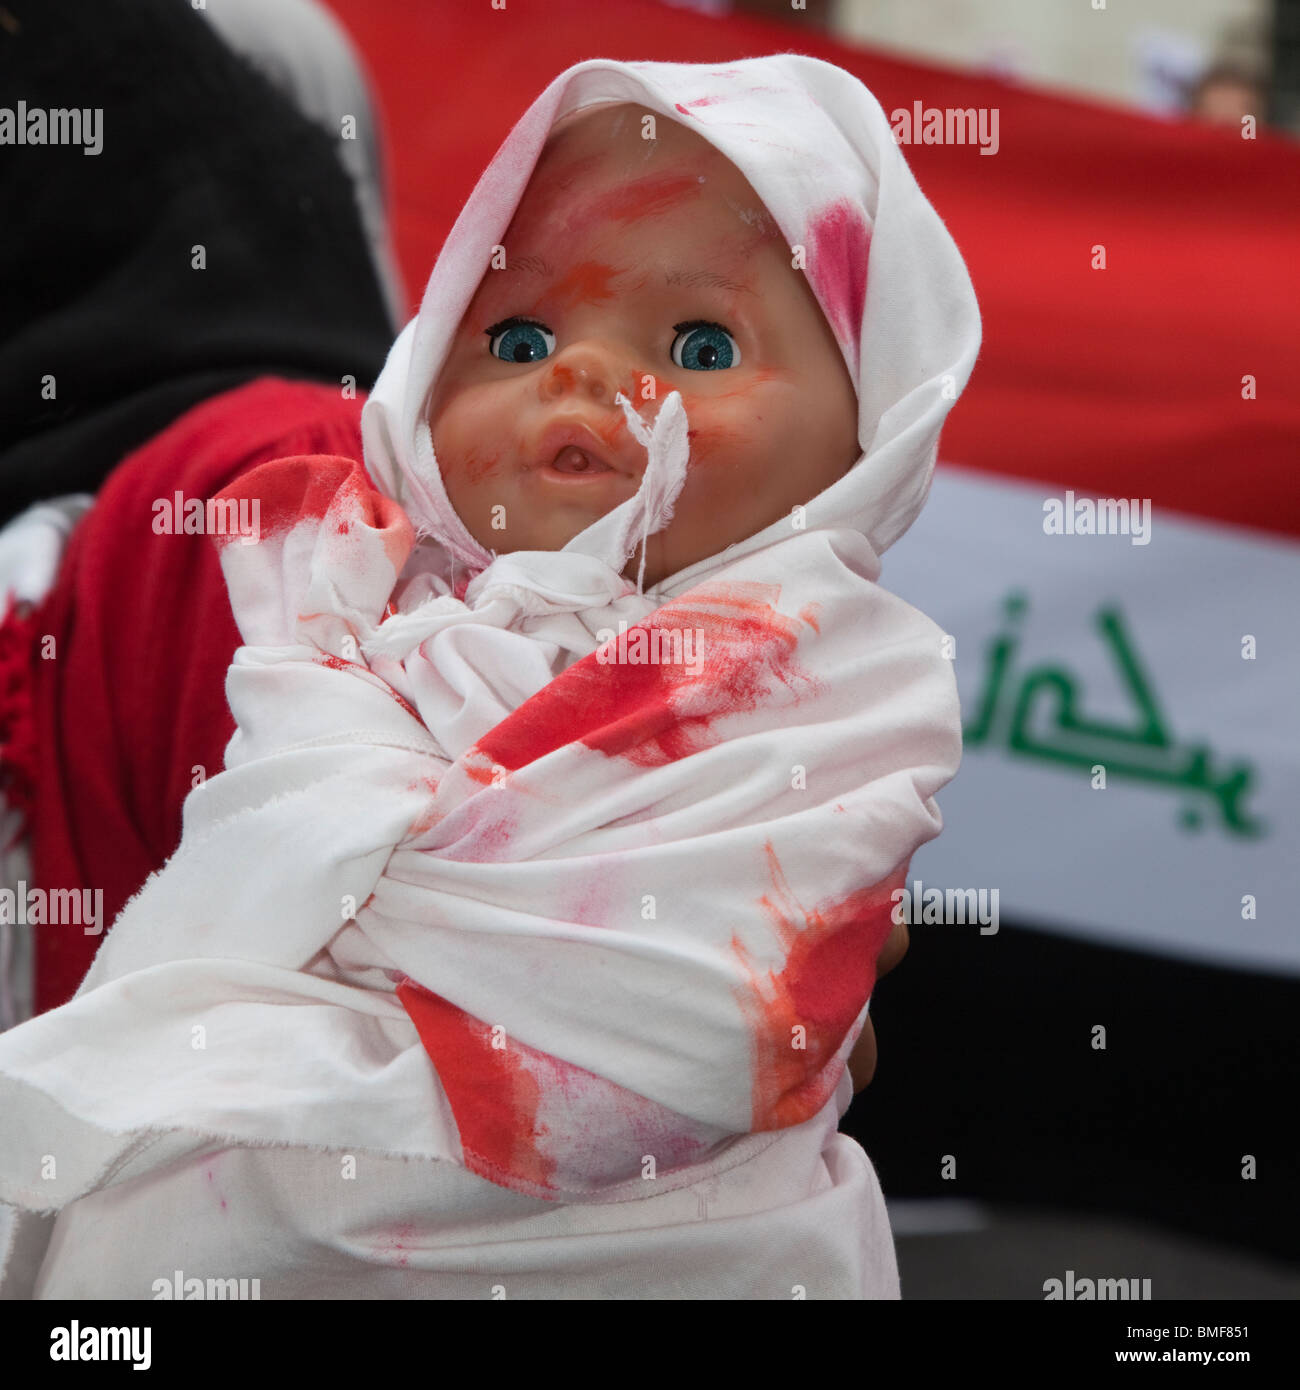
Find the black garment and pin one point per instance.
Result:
(97, 284)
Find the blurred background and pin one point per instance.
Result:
(1103, 1078)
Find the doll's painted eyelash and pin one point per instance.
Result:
(701, 345)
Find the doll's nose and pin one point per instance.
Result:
(585, 369)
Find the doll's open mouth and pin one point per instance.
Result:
(570, 451)
(578, 462)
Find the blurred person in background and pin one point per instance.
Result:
(1225, 94)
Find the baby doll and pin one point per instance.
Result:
(520, 947)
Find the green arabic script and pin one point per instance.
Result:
(1047, 696)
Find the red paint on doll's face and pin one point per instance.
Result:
(587, 283)
(645, 198)
(830, 952)
(713, 443)
(478, 466)
(615, 242)
(643, 386)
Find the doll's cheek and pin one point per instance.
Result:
(478, 465)
(718, 443)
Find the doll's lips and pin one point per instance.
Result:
(571, 450)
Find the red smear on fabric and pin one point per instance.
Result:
(398, 1239)
(212, 1179)
(496, 1094)
(809, 613)
(656, 714)
(425, 821)
(830, 970)
(289, 490)
(493, 1096)
(338, 663)
(838, 243)
(677, 106)
(481, 830)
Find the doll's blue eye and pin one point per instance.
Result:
(704, 347)
(701, 346)
(520, 340)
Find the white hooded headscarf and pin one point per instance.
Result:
(562, 948)
(818, 149)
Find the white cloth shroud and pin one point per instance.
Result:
(523, 936)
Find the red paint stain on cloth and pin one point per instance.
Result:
(838, 244)
(212, 1180)
(493, 1096)
(312, 487)
(338, 663)
(309, 486)
(496, 1094)
(655, 714)
(830, 953)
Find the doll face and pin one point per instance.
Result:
(643, 267)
